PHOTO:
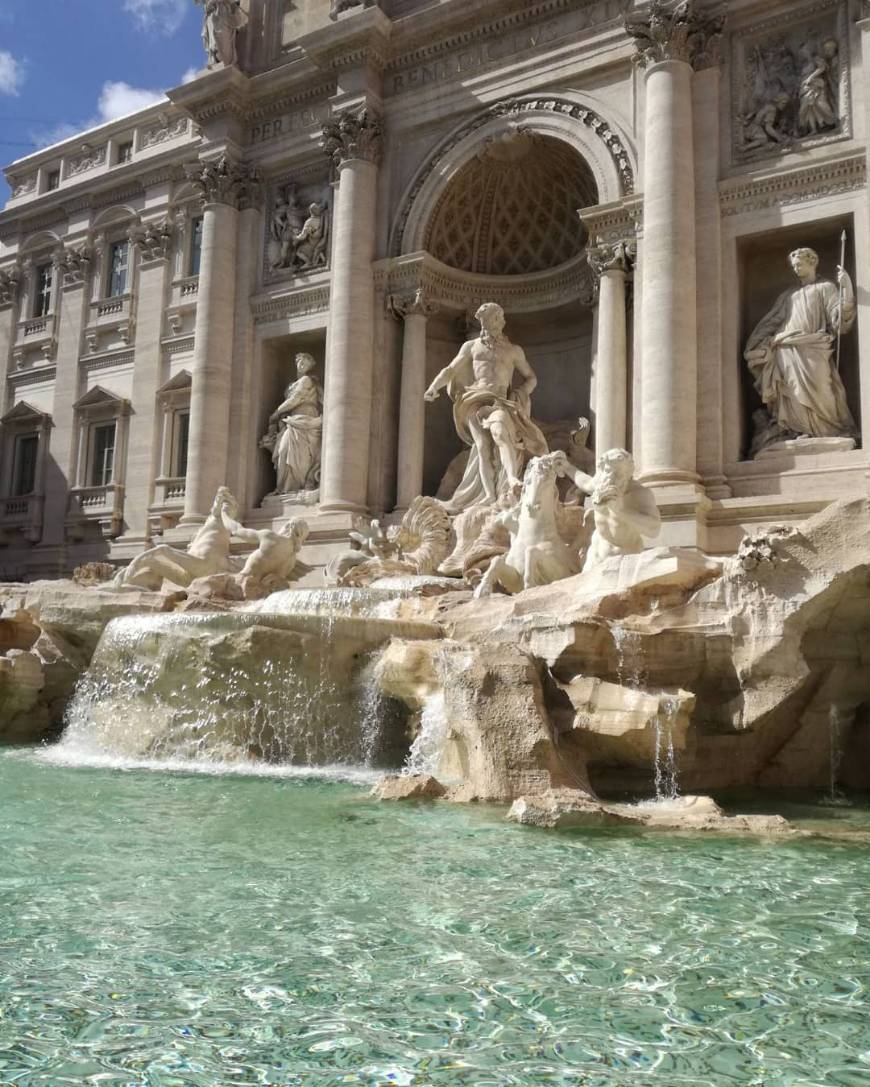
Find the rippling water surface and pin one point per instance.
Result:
(171, 930)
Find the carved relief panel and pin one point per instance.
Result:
(790, 83)
(297, 230)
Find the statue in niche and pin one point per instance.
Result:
(791, 355)
(222, 20)
(491, 416)
(207, 554)
(295, 432)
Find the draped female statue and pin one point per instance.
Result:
(295, 430)
(791, 352)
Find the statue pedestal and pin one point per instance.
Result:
(805, 447)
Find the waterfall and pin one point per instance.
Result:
(665, 759)
(428, 745)
(630, 673)
(835, 797)
(244, 687)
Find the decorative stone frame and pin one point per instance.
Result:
(745, 37)
(173, 399)
(21, 515)
(116, 314)
(103, 504)
(184, 288)
(563, 115)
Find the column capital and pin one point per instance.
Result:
(614, 256)
(224, 181)
(418, 304)
(74, 263)
(672, 30)
(353, 134)
(153, 240)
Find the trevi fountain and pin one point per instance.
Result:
(517, 782)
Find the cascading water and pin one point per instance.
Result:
(427, 748)
(630, 673)
(665, 758)
(835, 797)
(290, 686)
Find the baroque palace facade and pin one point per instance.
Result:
(351, 183)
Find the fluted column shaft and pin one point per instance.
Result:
(353, 141)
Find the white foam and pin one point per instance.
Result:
(73, 757)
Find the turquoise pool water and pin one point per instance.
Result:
(179, 929)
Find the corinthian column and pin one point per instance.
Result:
(671, 39)
(612, 263)
(415, 310)
(224, 186)
(353, 140)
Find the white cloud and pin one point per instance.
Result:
(119, 99)
(190, 75)
(162, 16)
(11, 73)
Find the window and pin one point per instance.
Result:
(103, 459)
(24, 465)
(119, 260)
(44, 281)
(195, 258)
(52, 181)
(182, 436)
(125, 152)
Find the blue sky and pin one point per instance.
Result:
(68, 64)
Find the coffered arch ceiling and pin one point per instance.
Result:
(512, 209)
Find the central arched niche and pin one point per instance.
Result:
(512, 209)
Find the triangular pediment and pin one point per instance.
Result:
(24, 412)
(98, 396)
(181, 380)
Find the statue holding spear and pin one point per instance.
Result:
(794, 354)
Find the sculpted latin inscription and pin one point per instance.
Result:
(275, 127)
(501, 47)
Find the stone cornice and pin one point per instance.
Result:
(264, 108)
(420, 42)
(571, 282)
(34, 375)
(796, 186)
(615, 222)
(290, 304)
(363, 41)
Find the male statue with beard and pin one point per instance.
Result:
(623, 510)
(490, 414)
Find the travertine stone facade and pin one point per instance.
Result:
(352, 181)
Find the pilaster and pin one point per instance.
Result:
(153, 244)
(612, 263)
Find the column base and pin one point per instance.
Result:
(683, 508)
(666, 477)
(340, 506)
